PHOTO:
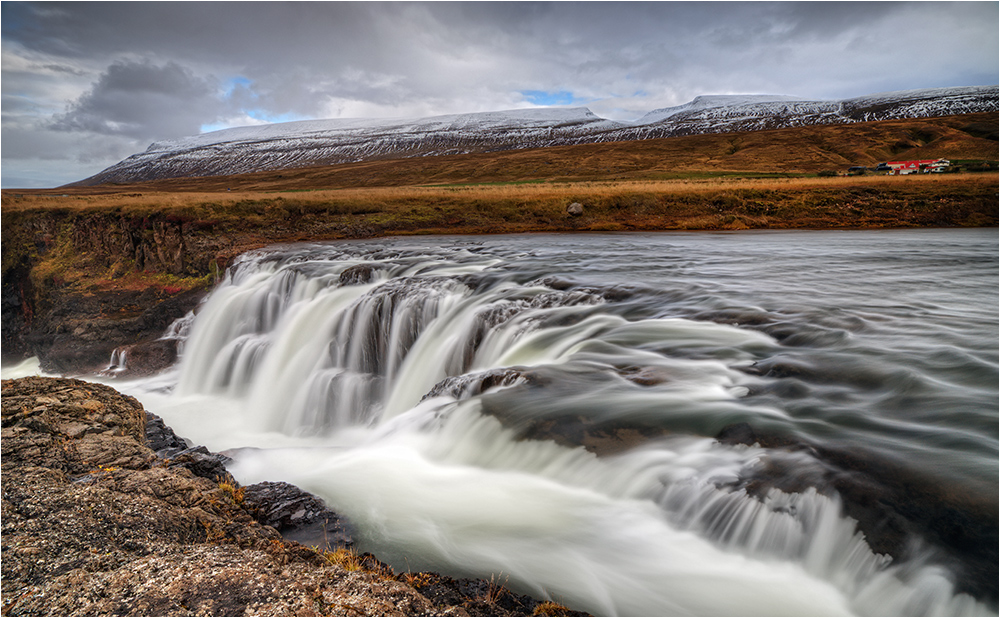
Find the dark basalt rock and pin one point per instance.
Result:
(297, 515)
(142, 359)
(15, 290)
(470, 385)
(357, 275)
(82, 330)
(177, 453)
(201, 462)
(161, 438)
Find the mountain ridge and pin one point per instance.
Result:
(328, 142)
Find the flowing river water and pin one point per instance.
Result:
(768, 423)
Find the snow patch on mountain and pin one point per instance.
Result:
(712, 101)
(327, 142)
(532, 118)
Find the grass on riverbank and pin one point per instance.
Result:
(679, 204)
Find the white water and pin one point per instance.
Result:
(320, 384)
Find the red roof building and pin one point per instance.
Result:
(917, 167)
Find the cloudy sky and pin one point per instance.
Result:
(86, 84)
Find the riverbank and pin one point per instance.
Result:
(98, 521)
(90, 271)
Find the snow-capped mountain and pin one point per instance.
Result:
(326, 142)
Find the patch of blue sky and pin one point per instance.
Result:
(270, 118)
(260, 115)
(235, 82)
(214, 126)
(549, 98)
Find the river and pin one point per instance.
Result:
(754, 423)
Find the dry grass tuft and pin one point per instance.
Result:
(345, 558)
(232, 489)
(495, 590)
(550, 608)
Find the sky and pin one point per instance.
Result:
(85, 84)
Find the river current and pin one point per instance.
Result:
(758, 423)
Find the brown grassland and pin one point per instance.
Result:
(962, 199)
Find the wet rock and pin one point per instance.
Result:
(142, 359)
(297, 515)
(614, 293)
(201, 462)
(744, 433)
(357, 275)
(602, 438)
(161, 438)
(556, 283)
(599, 436)
(647, 376)
(83, 328)
(175, 452)
(470, 385)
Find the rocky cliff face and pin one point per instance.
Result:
(78, 284)
(48, 311)
(96, 522)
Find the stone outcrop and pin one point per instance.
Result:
(99, 519)
(297, 515)
(77, 286)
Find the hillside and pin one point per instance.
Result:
(329, 142)
(790, 151)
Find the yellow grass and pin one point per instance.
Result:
(380, 197)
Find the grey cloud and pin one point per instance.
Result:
(31, 143)
(429, 46)
(144, 101)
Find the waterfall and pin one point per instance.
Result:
(422, 374)
(313, 353)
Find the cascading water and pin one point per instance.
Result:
(475, 411)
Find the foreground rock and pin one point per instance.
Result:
(96, 522)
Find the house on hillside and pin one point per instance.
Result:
(926, 166)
